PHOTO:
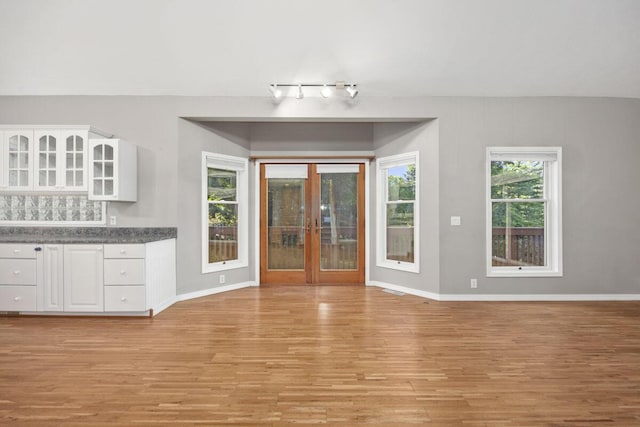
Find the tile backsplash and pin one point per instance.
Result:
(50, 208)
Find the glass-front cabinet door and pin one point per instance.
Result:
(47, 160)
(74, 155)
(103, 171)
(18, 163)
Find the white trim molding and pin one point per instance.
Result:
(504, 297)
(240, 165)
(213, 291)
(551, 157)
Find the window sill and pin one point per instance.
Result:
(399, 265)
(514, 272)
(223, 266)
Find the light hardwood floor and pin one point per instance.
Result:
(345, 356)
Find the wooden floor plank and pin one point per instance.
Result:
(344, 356)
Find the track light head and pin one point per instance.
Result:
(352, 91)
(275, 92)
(299, 93)
(325, 91)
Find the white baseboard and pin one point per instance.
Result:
(164, 305)
(506, 297)
(410, 291)
(539, 297)
(212, 291)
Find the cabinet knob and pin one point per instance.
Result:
(16, 273)
(122, 272)
(123, 299)
(17, 299)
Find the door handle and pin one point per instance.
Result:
(308, 225)
(317, 226)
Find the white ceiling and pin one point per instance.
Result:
(391, 48)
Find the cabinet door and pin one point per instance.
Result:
(47, 160)
(18, 159)
(74, 152)
(83, 278)
(103, 170)
(51, 298)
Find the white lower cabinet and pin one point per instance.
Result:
(50, 278)
(124, 298)
(83, 278)
(18, 277)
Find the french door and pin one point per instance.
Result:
(312, 223)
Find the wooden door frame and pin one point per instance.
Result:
(257, 162)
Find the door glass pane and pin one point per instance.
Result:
(42, 178)
(400, 232)
(24, 143)
(69, 161)
(13, 160)
(223, 232)
(339, 221)
(108, 187)
(13, 178)
(108, 152)
(285, 224)
(24, 178)
(79, 178)
(52, 143)
(517, 234)
(97, 187)
(43, 143)
(69, 178)
(108, 169)
(52, 178)
(78, 143)
(13, 143)
(97, 170)
(24, 160)
(43, 160)
(97, 152)
(52, 160)
(70, 143)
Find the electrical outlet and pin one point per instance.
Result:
(222, 278)
(112, 220)
(455, 220)
(474, 283)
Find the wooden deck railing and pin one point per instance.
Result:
(525, 246)
(223, 243)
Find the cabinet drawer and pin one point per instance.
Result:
(124, 298)
(124, 272)
(124, 251)
(16, 250)
(17, 298)
(17, 271)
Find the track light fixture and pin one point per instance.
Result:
(352, 91)
(275, 92)
(325, 89)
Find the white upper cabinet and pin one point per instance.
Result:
(18, 159)
(59, 158)
(113, 170)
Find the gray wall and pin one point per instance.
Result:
(600, 137)
(397, 138)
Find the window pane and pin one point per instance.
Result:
(402, 182)
(222, 185)
(223, 232)
(518, 234)
(400, 232)
(517, 180)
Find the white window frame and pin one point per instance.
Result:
(239, 165)
(552, 158)
(383, 164)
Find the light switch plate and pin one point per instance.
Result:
(455, 220)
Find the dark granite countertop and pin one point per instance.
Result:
(86, 234)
